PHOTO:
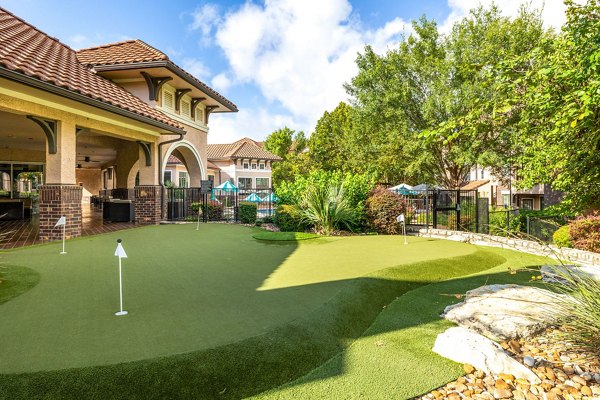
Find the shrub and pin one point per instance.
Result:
(288, 220)
(561, 237)
(327, 209)
(577, 308)
(585, 233)
(247, 213)
(213, 210)
(383, 206)
(356, 187)
(268, 219)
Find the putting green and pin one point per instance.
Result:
(185, 290)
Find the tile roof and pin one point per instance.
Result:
(130, 51)
(243, 148)
(475, 184)
(210, 165)
(137, 51)
(27, 51)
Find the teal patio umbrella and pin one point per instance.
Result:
(224, 187)
(253, 198)
(271, 198)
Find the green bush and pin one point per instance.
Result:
(247, 213)
(382, 208)
(288, 219)
(213, 210)
(356, 186)
(327, 209)
(562, 237)
(268, 219)
(585, 233)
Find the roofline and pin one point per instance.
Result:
(227, 158)
(171, 66)
(48, 87)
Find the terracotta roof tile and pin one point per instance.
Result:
(138, 51)
(475, 184)
(210, 165)
(27, 51)
(131, 51)
(243, 148)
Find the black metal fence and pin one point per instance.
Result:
(443, 209)
(219, 205)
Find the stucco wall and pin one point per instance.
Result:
(91, 182)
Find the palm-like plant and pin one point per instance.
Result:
(327, 208)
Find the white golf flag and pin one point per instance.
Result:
(120, 252)
(400, 218)
(61, 221)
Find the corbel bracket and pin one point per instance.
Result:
(154, 84)
(147, 152)
(49, 127)
(178, 95)
(195, 102)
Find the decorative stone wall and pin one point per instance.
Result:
(526, 246)
(57, 201)
(148, 200)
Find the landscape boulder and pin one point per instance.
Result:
(465, 346)
(502, 312)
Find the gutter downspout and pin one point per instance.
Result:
(160, 168)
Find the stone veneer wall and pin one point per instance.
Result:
(526, 246)
(57, 201)
(148, 205)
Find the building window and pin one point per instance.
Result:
(183, 179)
(244, 183)
(527, 204)
(246, 165)
(262, 183)
(542, 203)
(168, 99)
(506, 200)
(482, 174)
(261, 166)
(211, 178)
(199, 114)
(253, 165)
(185, 108)
(168, 177)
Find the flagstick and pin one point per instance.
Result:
(198, 223)
(404, 230)
(64, 252)
(120, 253)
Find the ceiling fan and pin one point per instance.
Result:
(87, 159)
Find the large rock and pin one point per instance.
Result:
(558, 273)
(465, 346)
(503, 312)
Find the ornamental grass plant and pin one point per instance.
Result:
(327, 209)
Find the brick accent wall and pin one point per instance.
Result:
(57, 201)
(147, 205)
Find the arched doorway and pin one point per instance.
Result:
(194, 170)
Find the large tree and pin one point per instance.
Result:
(409, 101)
(290, 146)
(327, 146)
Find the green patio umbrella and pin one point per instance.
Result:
(224, 187)
(271, 198)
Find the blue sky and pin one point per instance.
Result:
(283, 62)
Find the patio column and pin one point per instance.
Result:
(149, 194)
(60, 195)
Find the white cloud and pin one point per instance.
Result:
(196, 68)
(299, 53)
(221, 82)
(205, 18)
(553, 11)
(254, 123)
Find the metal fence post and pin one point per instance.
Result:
(527, 225)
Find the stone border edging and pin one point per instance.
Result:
(526, 246)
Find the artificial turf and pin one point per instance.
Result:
(213, 313)
(284, 236)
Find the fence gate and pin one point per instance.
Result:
(455, 210)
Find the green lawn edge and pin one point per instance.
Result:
(256, 364)
(401, 338)
(16, 280)
(284, 236)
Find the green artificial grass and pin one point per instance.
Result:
(15, 281)
(213, 313)
(284, 236)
